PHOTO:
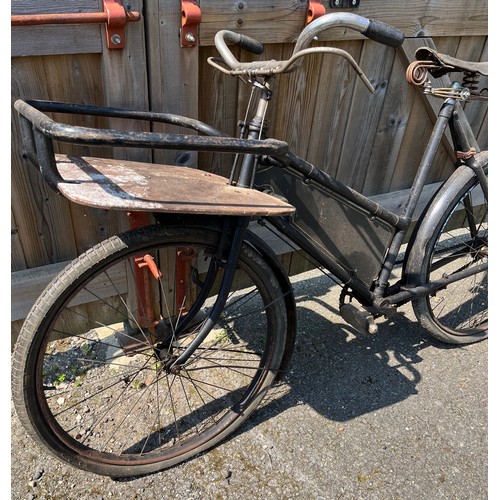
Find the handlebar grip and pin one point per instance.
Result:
(250, 44)
(384, 33)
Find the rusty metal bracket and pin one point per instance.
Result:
(115, 25)
(190, 21)
(149, 261)
(114, 15)
(315, 9)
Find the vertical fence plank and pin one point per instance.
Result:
(390, 131)
(218, 104)
(332, 106)
(376, 61)
(172, 73)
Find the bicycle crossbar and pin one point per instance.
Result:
(311, 173)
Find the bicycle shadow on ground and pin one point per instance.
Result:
(340, 373)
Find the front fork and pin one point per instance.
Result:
(146, 272)
(233, 234)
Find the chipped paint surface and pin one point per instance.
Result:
(127, 185)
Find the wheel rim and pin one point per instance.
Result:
(119, 405)
(461, 308)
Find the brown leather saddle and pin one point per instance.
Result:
(447, 64)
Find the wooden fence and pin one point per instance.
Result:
(371, 142)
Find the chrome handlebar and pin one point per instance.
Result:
(371, 28)
(375, 30)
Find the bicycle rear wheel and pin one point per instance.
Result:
(457, 314)
(91, 385)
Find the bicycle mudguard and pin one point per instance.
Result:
(419, 242)
(271, 259)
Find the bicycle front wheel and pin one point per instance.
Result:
(458, 313)
(89, 380)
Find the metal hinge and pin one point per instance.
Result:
(345, 4)
(114, 15)
(190, 22)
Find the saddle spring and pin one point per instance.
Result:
(471, 80)
(417, 74)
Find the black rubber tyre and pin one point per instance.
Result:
(457, 314)
(88, 383)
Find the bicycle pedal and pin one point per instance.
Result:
(361, 320)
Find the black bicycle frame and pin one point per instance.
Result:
(450, 115)
(38, 136)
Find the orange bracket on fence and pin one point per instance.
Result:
(315, 9)
(114, 15)
(190, 22)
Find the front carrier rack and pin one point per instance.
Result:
(136, 186)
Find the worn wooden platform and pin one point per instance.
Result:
(128, 185)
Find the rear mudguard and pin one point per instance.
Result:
(265, 251)
(420, 242)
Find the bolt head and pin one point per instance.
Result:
(175, 370)
(116, 39)
(190, 38)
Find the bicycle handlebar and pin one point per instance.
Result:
(376, 30)
(384, 33)
(373, 29)
(243, 41)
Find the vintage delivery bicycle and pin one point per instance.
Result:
(157, 343)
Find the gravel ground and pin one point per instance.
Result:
(392, 416)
